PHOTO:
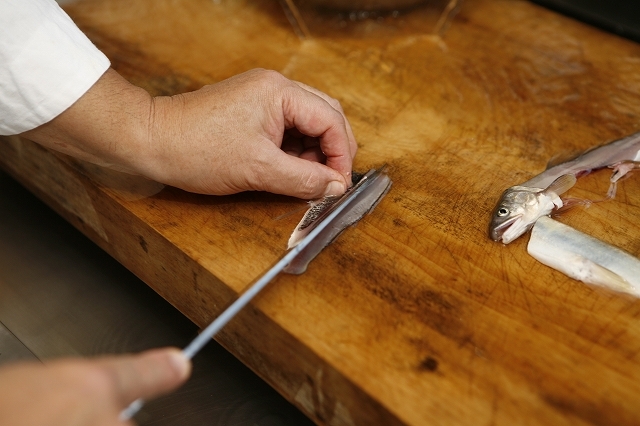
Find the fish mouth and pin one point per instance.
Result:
(496, 232)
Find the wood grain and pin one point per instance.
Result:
(413, 316)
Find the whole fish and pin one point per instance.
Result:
(521, 205)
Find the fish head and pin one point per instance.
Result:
(521, 206)
(515, 213)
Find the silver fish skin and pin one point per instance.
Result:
(584, 257)
(520, 206)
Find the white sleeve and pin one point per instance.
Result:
(46, 63)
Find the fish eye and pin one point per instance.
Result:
(503, 211)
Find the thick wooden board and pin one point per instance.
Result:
(413, 316)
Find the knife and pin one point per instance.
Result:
(253, 289)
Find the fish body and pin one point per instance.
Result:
(583, 257)
(377, 186)
(521, 205)
(619, 151)
(320, 209)
(317, 210)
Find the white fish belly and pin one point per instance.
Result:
(584, 257)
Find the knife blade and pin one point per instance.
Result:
(253, 289)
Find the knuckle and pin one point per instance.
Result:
(335, 104)
(308, 185)
(271, 77)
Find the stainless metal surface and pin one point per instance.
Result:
(60, 295)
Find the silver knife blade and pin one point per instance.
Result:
(253, 289)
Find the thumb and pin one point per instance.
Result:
(290, 175)
(148, 374)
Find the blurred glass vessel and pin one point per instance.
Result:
(369, 5)
(369, 18)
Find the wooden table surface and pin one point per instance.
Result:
(413, 316)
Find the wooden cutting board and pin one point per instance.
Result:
(413, 316)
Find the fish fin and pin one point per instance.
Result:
(561, 184)
(613, 188)
(292, 212)
(571, 202)
(296, 236)
(621, 171)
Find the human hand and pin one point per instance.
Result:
(75, 392)
(255, 131)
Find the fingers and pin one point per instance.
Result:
(353, 147)
(76, 392)
(286, 174)
(303, 147)
(314, 116)
(217, 140)
(146, 375)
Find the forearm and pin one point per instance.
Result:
(108, 125)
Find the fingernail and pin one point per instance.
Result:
(180, 363)
(335, 188)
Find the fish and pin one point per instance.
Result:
(368, 190)
(374, 186)
(522, 205)
(583, 257)
(319, 209)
